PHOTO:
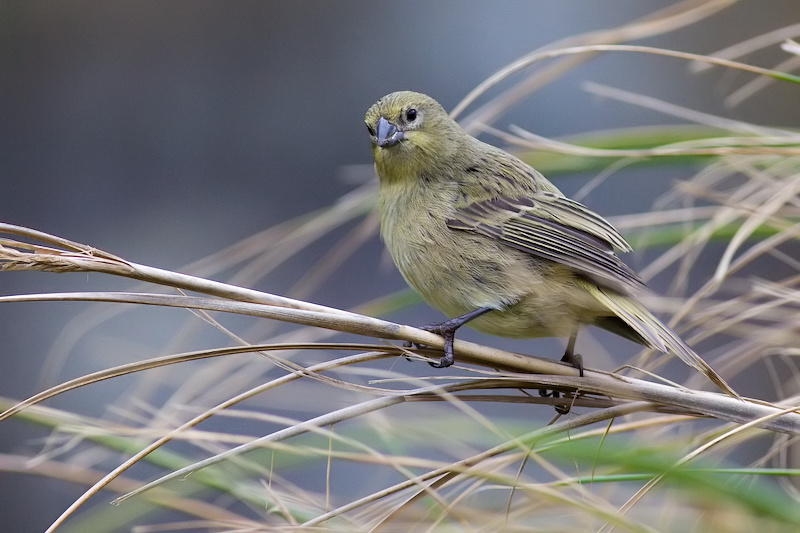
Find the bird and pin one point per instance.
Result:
(489, 241)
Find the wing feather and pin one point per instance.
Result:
(555, 228)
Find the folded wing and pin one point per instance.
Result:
(556, 228)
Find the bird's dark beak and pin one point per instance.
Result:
(388, 134)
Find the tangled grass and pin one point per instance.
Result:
(333, 438)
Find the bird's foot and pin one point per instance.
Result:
(560, 409)
(446, 329)
(576, 361)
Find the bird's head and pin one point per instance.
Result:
(411, 135)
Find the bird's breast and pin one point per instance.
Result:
(455, 271)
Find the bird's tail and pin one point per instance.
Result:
(654, 333)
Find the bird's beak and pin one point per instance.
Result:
(388, 134)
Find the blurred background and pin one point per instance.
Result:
(165, 131)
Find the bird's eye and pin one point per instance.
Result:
(411, 115)
(370, 130)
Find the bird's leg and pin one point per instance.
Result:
(574, 359)
(447, 329)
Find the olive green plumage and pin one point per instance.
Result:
(471, 226)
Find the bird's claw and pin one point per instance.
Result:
(560, 409)
(447, 330)
(575, 360)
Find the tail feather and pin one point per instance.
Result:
(654, 333)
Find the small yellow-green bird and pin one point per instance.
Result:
(489, 241)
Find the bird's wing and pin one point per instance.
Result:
(553, 227)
